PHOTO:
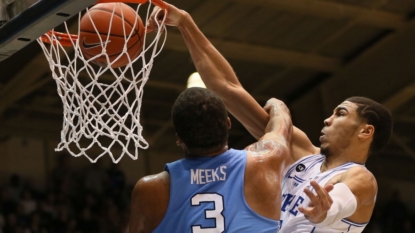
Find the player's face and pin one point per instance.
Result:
(340, 129)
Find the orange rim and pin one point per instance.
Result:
(159, 3)
(62, 38)
(67, 39)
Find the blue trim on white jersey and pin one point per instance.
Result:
(331, 172)
(298, 179)
(339, 168)
(301, 180)
(354, 223)
(300, 161)
(314, 163)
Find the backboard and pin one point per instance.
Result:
(23, 21)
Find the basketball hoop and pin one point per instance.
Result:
(101, 104)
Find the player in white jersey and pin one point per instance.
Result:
(295, 181)
(342, 201)
(357, 128)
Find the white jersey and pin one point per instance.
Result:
(298, 177)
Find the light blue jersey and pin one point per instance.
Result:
(207, 196)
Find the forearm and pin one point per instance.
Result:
(219, 77)
(215, 71)
(280, 124)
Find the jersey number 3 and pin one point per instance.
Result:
(215, 213)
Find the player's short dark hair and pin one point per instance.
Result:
(377, 115)
(200, 120)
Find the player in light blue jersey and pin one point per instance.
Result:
(215, 189)
(326, 189)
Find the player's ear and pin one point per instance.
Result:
(229, 123)
(178, 140)
(367, 131)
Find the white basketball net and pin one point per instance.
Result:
(101, 105)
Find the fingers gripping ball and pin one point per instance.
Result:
(117, 27)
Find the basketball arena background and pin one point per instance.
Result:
(310, 54)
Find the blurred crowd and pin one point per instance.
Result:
(392, 216)
(94, 199)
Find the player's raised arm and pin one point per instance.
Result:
(216, 72)
(219, 77)
(277, 137)
(266, 161)
(279, 125)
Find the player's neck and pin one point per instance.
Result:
(337, 159)
(332, 162)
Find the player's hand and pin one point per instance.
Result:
(275, 106)
(172, 16)
(320, 202)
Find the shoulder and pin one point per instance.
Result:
(151, 189)
(359, 173)
(156, 182)
(266, 149)
(362, 183)
(267, 156)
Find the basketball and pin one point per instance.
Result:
(116, 28)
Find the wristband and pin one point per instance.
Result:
(344, 205)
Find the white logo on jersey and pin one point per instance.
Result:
(203, 176)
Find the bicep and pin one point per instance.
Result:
(362, 184)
